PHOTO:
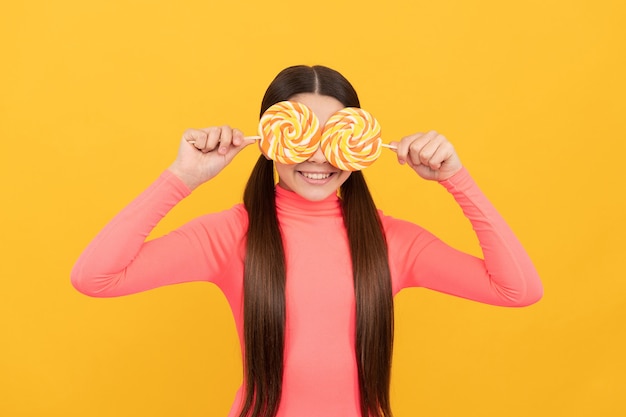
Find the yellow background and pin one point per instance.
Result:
(94, 96)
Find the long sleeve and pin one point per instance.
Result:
(120, 261)
(506, 275)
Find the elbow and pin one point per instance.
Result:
(532, 295)
(534, 290)
(535, 295)
(84, 284)
(530, 299)
(80, 284)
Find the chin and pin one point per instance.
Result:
(316, 195)
(314, 192)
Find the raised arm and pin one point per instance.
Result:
(504, 275)
(119, 261)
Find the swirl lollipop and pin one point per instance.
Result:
(351, 139)
(289, 132)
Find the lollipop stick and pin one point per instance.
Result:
(247, 137)
(384, 145)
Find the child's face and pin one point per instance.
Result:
(314, 179)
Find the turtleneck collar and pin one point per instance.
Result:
(290, 202)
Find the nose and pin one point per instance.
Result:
(318, 157)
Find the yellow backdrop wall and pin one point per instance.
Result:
(94, 96)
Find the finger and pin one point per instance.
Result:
(213, 139)
(402, 147)
(225, 140)
(423, 149)
(195, 137)
(235, 149)
(444, 152)
(411, 147)
(237, 137)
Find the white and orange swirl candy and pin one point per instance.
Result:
(351, 139)
(289, 132)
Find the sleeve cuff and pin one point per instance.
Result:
(459, 181)
(181, 188)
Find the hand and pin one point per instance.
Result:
(429, 154)
(203, 153)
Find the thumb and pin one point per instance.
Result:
(233, 150)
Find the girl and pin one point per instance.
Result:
(307, 264)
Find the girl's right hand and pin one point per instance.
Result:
(203, 153)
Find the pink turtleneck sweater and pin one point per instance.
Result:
(320, 373)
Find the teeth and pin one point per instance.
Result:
(315, 175)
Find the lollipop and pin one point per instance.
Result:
(351, 140)
(290, 132)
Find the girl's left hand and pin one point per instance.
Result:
(429, 154)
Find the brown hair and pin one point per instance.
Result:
(264, 269)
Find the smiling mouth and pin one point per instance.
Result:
(316, 175)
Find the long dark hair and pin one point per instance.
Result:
(264, 269)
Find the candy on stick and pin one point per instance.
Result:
(351, 140)
(289, 132)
